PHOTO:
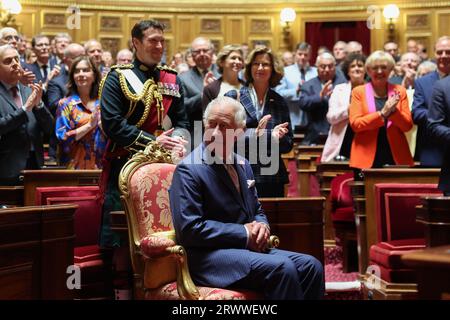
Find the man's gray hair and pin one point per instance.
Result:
(238, 108)
(7, 30)
(326, 56)
(5, 47)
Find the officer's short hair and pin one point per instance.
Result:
(139, 28)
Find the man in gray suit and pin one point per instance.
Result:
(23, 120)
(194, 80)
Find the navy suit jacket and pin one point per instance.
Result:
(316, 108)
(57, 90)
(18, 131)
(192, 82)
(427, 151)
(276, 106)
(209, 215)
(439, 126)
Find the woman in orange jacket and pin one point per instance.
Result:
(379, 115)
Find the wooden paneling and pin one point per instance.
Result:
(30, 240)
(186, 31)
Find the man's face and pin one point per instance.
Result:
(124, 58)
(326, 69)
(95, 51)
(391, 48)
(42, 49)
(151, 48)
(302, 57)
(10, 37)
(74, 53)
(410, 61)
(10, 69)
(411, 46)
(220, 131)
(202, 53)
(339, 51)
(442, 53)
(61, 45)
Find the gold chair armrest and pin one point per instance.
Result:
(273, 242)
(185, 286)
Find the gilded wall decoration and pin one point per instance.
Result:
(111, 44)
(54, 20)
(417, 21)
(108, 23)
(166, 22)
(211, 25)
(260, 26)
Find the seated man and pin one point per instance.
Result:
(219, 220)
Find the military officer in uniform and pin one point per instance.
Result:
(140, 102)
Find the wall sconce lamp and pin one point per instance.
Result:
(287, 16)
(8, 9)
(391, 13)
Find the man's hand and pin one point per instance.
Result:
(54, 73)
(27, 77)
(280, 130)
(175, 144)
(258, 236)
(209, 78)
(35, 97)
(326, 90)
(262, 124)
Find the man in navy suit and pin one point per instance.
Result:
(57, 86)
(428, 151)
(194, 80)
(23, 120)
(219, 220)
(439, 127)
(314, 96)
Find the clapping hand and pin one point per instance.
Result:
(262, 124)
(209, 78)
(326, 90)
(35, 97)
(280, 130)
(175, 144)
(27, 77)
(391, 105)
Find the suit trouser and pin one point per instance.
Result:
(284, 275)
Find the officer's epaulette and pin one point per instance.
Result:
(166, 68)
(122, 66)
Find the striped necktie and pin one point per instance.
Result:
(16, 96)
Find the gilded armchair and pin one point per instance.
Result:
(160, 266)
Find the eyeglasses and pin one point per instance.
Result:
(265, 65)
(10, 38)
(198, 51)
(40, 45)
(325, 66)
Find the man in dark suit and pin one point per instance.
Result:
(439, 127)
(57, 87)
(428, 151)
(23, 120)
(314, 96)
(194, 80)
(219, 220)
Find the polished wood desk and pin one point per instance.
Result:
(36, 247)
(432, 267)
(50, 178)
(364, 197)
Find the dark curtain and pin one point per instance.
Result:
(328, 33)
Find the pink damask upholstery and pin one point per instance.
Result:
(150, 197)
(169, 292)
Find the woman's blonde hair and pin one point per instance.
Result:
(380, 56)
(225, 52)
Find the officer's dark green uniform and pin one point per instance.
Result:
(130, 121)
